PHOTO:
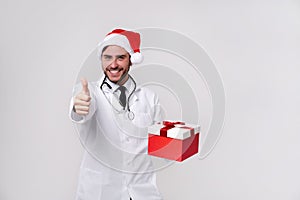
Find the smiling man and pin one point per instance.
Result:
(116, 165)
(115, 63)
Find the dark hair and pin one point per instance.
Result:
(104, 48)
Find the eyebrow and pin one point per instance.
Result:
(122, 55)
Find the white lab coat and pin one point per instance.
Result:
(116, 165)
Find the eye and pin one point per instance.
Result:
(107, 57)
(121, 57)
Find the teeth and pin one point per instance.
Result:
(114, 71)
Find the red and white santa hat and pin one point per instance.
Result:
(129, 40)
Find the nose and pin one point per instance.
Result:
(114, 63)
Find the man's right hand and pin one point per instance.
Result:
(82, 100)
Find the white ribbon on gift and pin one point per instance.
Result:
(177, 132)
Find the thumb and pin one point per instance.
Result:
(85, 88)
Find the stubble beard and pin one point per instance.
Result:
(122, 79)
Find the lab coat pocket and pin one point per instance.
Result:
(90, 185)
(145, 191)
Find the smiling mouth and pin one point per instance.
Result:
(114, 71)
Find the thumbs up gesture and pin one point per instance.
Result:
(82, 99)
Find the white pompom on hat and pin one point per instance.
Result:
(129, 40)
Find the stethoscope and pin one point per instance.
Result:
(130, 114)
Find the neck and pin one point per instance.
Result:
(123, 79)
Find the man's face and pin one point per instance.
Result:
(115, 62)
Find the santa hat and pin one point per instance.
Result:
(129, 40)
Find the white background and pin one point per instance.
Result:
(254, 44)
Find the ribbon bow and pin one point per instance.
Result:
(168, 125)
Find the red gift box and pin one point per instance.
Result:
(173, 140)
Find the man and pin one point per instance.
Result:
(112, 116)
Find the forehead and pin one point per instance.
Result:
(114, 50)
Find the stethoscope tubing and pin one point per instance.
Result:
(130, 113)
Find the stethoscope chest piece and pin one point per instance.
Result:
(130, 115)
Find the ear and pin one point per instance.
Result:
(130, 63)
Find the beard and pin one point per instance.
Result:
(120, 70)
